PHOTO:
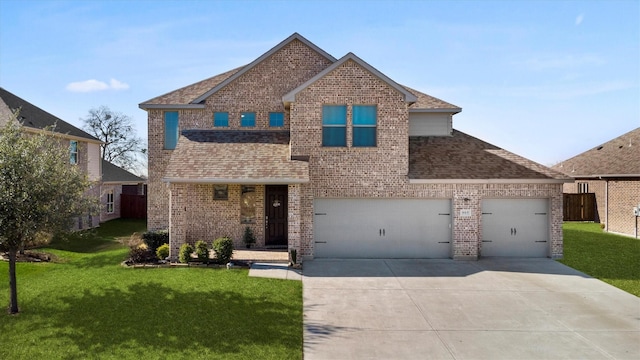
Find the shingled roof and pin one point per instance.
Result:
(115, 174)
(34, 117)
(235, 157)
(192, 96)
(462, 156)
(619, 157)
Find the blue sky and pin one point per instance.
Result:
(544, 79)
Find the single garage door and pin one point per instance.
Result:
(382, 228)
(515, 227)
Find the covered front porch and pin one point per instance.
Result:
(223, 182)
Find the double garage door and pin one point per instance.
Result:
(419, 228)
(382, 228)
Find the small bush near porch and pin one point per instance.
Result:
(611, 258)
(86, 305)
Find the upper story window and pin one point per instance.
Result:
(221, 119)
(365, 120)
(276, 119)
(248, 119)
(170, 130)
(334, 125)
(73, 152)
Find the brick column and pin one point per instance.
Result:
(294, 220)
(466, 214)
(177, 219)
(555, 221)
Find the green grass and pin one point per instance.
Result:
(611, 258)
(88, 306)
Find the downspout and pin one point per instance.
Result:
(606, 205)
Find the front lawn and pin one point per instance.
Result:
(87, 306)
(611, 258)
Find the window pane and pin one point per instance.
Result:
(170, 129)
(73, 152)
(334, 115)
(248, 119)
(334, 136)
(221, 119)
(276, 119)
(364, 136)
(364, 115)
(248, 205)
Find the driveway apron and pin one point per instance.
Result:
(494, 308)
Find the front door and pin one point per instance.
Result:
(276, 213)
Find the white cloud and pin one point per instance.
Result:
(579, 19)
(96, 85)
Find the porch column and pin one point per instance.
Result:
(177, 219)
(466, 224)
(294, 220)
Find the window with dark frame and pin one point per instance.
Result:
(365, 121)
(583, 187)
(334, 125)
(220, 192)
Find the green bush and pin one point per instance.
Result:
(141, 255)
(202, 251)
(249, 238)
(163, 251)
(223, 247)
(154, 239)
(184, 256)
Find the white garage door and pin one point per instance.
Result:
(515, 227)
(382, 228)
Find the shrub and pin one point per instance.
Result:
(185, 253)
(141, 255)
(248, 237)
(602, 226)
(223, 247)
(162, 252)
(202, 251)
(154, 239)
(294, 256)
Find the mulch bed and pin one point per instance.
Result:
(30, 256)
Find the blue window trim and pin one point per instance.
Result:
(276, 119)
(334, 125)
(221, 119)
(248, 119)
(365, 122)
(171, 129)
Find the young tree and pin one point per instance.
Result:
(121, 145)
(39, 191)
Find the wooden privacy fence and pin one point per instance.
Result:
(579, 207)
(133, 206)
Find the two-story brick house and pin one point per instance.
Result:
(333, 158)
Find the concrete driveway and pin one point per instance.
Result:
(445, 309)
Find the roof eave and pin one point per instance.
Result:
(490, 181)
(62, 135)
(171, 106)
(243, 181)
(431, 110)
(600, 176)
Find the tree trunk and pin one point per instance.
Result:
(13, 305)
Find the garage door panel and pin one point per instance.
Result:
(515, 227)
(382, 228)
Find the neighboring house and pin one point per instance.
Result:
(84, 149)
(612, 172)
(333, 158)
(115, 182)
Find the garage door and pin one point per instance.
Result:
(382, 228)
(515, 227)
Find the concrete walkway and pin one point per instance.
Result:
(444, 309)
(274, 271)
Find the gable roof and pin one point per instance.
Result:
(428, 103)
(408, 96)
(241, 157)
(464, 157)
(115, 174)
(36, 118)
(183, 98)
(619, 157)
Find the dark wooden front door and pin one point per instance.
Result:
(276, 212)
